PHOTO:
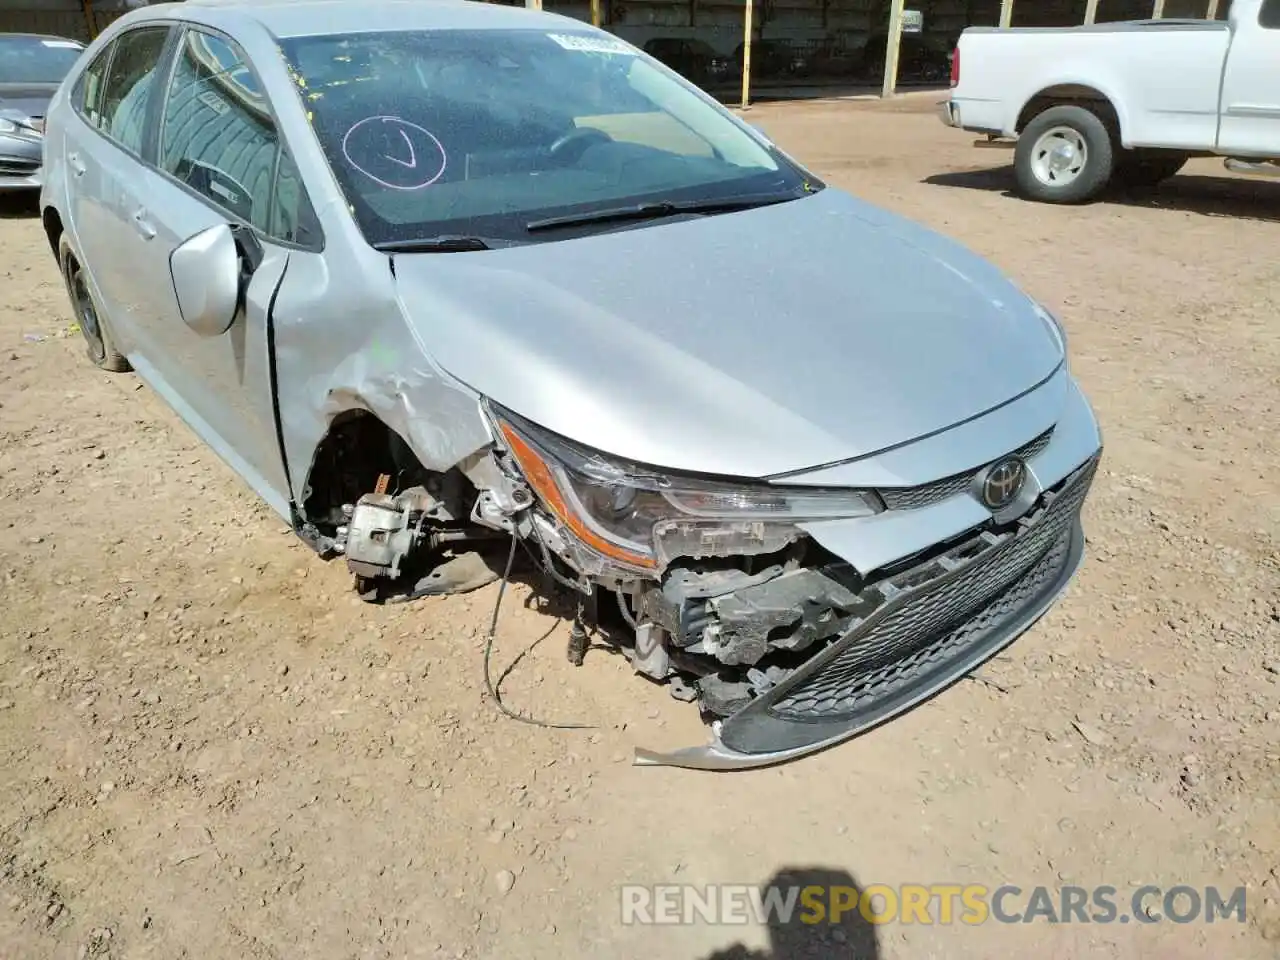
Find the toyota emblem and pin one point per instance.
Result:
(1003, 483)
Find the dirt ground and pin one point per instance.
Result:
(209, 748)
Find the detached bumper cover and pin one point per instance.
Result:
(936, 623)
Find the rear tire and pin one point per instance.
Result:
(97, 337)
(1147, 168)
(1064, 155)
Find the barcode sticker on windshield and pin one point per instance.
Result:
(592, 44)
(61, 44)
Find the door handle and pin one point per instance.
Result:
(143, 225)
(75, 163)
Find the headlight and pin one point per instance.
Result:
(638, 517)
(8, 126)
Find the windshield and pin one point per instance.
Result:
(480, 133)
(36, 59)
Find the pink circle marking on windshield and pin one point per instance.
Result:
(410, 156)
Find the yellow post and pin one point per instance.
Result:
(746, 56)
(87, 7)
(1157, 10)
(892, 44)
(533, 4)
(1091, 11)
(1212, 12)
(1006, 14)
(595, 13)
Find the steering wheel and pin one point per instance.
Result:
(570, 147)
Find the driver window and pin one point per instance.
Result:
(217, 135)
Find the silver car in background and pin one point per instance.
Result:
(444, 277)
(31, 67)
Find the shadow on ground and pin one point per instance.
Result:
(852, 937)
(20, 205)
(1208, 196)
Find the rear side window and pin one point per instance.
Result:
(129, 85)
(1269, 15)
(219, 139)
(87, 97)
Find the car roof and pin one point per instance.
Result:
(298, 18)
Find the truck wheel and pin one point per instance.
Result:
(1064, 155)
(1146, 168)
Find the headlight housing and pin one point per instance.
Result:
(640, 518)
(8, 126)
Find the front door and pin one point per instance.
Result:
(219, 160)
(1250, 107)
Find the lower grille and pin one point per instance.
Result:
(887, 650)
(12, 167)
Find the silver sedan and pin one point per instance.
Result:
(31, 68)
(442, 279)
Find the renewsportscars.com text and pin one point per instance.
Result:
(933, 904)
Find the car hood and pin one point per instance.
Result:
(28, 99)
(744, 344)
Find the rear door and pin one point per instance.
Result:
(1250, 107)
(220, 160)
(104, 157)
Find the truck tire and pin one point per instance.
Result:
(1146, 168)
(1064, 155)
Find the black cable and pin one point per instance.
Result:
(583, 586)
(488, 653)
(624, 609)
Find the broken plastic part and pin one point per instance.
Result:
(702, 538)
(650, 655)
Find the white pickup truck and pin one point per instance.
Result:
(1127, 102)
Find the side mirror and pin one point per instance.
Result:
(207, 277)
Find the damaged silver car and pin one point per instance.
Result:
(444, 278)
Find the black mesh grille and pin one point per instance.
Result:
(13, 167)
(912, 498)
(935, 620)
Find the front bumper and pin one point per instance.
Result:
(20, 160)
(933, 624)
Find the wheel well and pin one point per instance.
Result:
(52, 228)
(356, 451)
(1076, 94)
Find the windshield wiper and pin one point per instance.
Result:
(445, 244)
(661, 208)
